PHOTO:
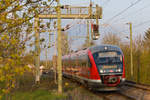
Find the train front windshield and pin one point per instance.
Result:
(110, 61)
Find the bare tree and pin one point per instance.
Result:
(111, 38)
(65, 44)
(147, 39)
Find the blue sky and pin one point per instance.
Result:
(138, 14)
(113, 7)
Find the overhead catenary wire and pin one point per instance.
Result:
(135, 12)
(52, 2)
(68, 26)
(71, 24)
(124, 10)
(111, 29)
(136, 26)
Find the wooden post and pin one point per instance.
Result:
(88, 33)
(37, 50)
(59, 60)
(131, 50)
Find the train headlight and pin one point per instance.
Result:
(123, 79)
(101, 71)
(119, 70)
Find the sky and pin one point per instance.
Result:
(138, 14)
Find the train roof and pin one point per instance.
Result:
(104, 47)
(93, 49)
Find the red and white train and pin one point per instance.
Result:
(99, 67)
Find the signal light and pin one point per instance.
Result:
(95, 30)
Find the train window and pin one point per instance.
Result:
(110, 57)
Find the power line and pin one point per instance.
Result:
(52, 2)
(135, 26)
(123, 11)
(135, 12)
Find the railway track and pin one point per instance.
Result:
(139, 86)
(130, 91)
(136, 91)
(111, 95)
(114, 96)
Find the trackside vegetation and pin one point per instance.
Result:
(16, 28)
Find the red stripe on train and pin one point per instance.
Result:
(123, 75)
(93, 71)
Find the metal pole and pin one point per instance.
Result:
(91, 15)
(138, 67)
(97, 17)
(88, 34)
(59, 61)
(37, 51)
(131, 49)
(46, 56)
(90, 9)
(55, 65)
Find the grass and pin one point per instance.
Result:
(27, 90)
(47, 90)
(36, 95)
